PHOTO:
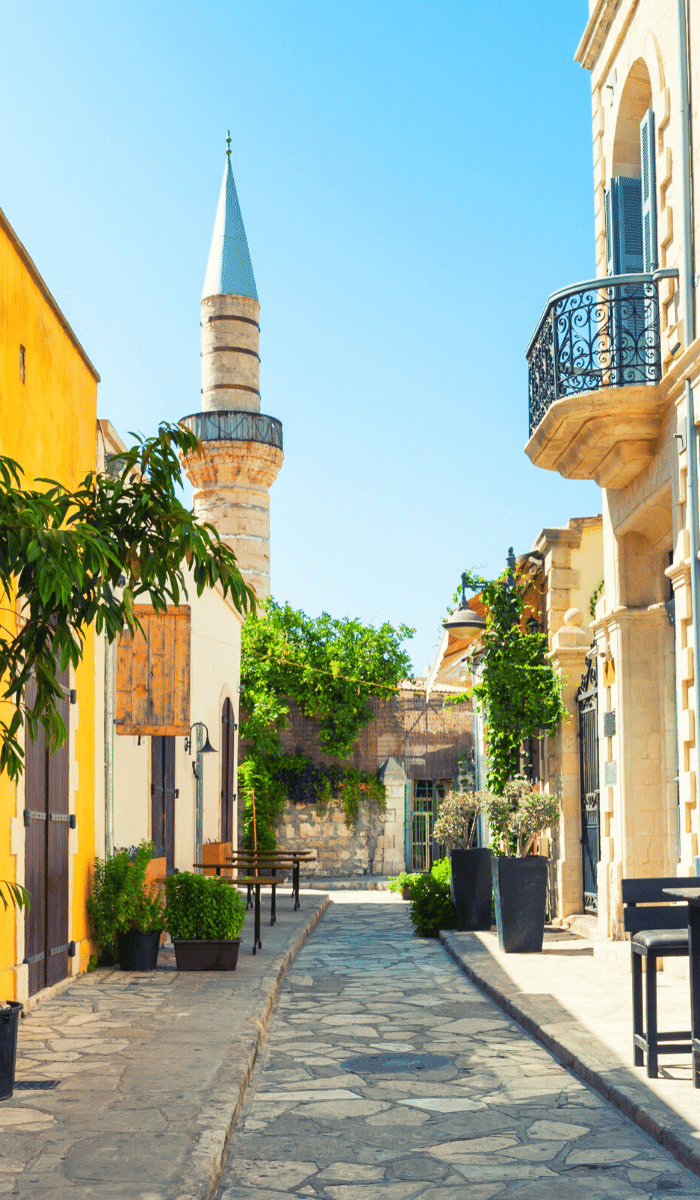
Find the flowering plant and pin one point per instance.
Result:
(521, 812)
(455, 826)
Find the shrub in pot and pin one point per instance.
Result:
(125, 911)
(403, 882)
(204, 916)
(520, 880)
(470, 865)
(431, 903)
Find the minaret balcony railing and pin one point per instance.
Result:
(601, 334)
(237, 426)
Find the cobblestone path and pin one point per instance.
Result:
(387, 1075)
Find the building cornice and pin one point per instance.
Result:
(31, 266)
(596, 31)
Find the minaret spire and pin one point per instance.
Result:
(242, 448)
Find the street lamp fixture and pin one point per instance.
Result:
(464, 623)
(207, 748)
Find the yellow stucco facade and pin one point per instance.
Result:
(48, 400)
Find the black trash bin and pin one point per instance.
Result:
(9, 1024)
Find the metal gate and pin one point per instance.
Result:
(425, 800)
(587, 698)
(47, 824)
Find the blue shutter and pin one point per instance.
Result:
(646, 133)
(623, 222)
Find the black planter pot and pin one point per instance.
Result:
(9, 1023)
(471, 887)
(520, 896)
(138, 951)
(206, 954)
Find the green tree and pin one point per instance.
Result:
(73, 559)
(519, 691)
(331, 668)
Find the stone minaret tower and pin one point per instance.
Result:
(242, 447)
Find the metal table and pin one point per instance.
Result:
(692, 897)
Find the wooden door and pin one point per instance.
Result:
(163, 797)
(228, 798)
(47, 825)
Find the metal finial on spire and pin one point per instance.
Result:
(228, 143)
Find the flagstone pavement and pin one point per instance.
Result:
(385, 1075)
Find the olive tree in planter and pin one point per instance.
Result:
(470, 866)
(205, 916)
(520, 880)
(125, 911)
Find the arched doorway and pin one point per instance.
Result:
(228, 798)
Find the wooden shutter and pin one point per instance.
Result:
(153, 674)
(623, 226)
(646, 133)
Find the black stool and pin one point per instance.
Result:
(659, 930)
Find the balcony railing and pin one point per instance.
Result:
(599, 334)
(235, 426)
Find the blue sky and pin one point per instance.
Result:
(415, 179)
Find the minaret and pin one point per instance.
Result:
(242, 448)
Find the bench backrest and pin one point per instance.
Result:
(648, 907)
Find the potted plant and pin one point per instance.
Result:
(431, 904)
(205, 916)
(520, 879)
(403, 882)
(125, 910)
(470, 865)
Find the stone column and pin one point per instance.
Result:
(394, 778)
(570, 644)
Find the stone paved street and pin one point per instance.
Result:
(488, 1112)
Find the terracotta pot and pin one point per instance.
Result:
(204, 954)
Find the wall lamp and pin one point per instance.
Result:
(207, 748)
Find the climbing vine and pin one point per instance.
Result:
(519, 691)
(331, 669)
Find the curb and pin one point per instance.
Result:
(200, 1176)
(660, 1133)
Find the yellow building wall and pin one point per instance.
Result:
(47, 423)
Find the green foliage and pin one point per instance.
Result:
(455, 826)
(519, 691)
(431, 904)
(519, 815)
(121, 900)
(14, 894)
(63, 554)
(595, 598)
(331, 669)
(397, 883)
(201, 906)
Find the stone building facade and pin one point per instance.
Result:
(614, 375)
(417, 745)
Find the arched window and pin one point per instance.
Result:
(228, 729)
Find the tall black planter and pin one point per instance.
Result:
(520, 896)
(138, 951)
(471, 887)
(9, 1022)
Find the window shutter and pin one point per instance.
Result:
(153, 674)
(646, 133)
(623, 226)
(609, 232)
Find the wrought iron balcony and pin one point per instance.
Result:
(596, 335)
(236, 426)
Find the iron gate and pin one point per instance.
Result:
(587, 698)
(425, 802)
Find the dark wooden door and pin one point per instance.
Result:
(587, 697)
(47, 825)
(163, 797)
(228, 798)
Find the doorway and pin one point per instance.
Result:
(163, 797)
